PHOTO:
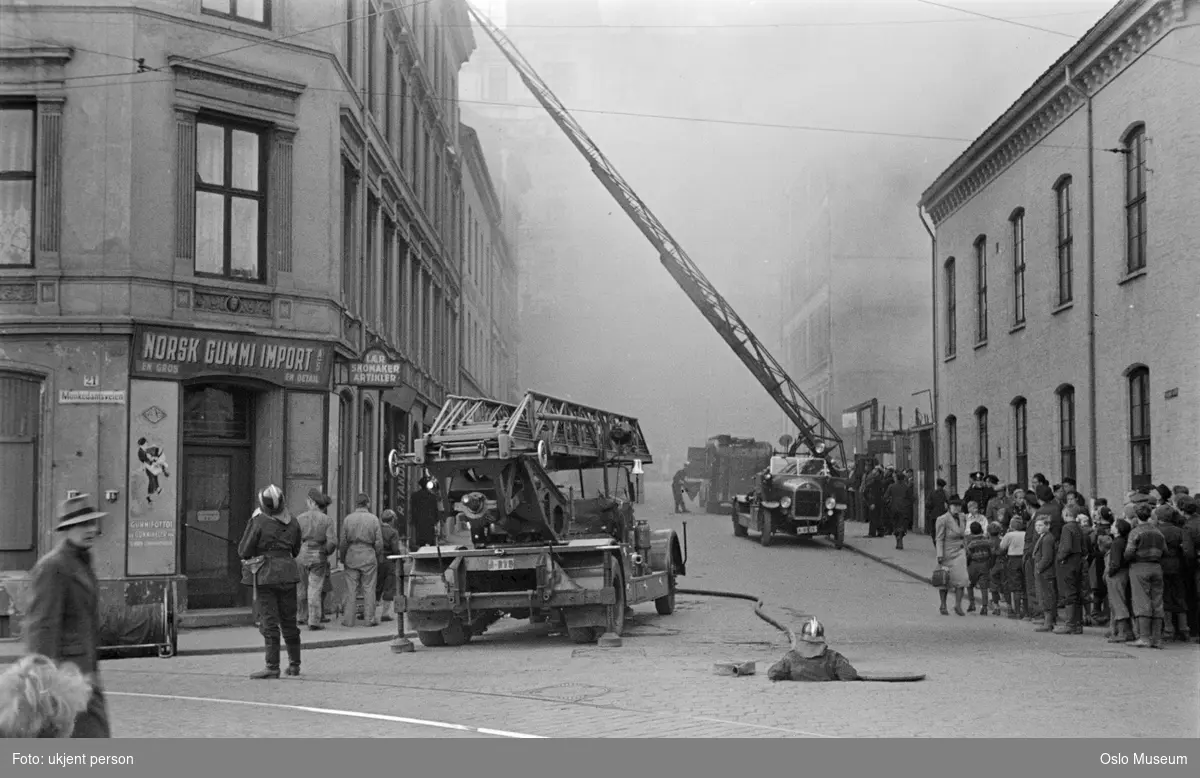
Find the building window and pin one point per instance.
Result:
(349, 224)
(20, 446)
(369, 67)
(389, 280)
(1066, 265)
(351, 36)
(1066, 431)
(17, 183)
(254, 11)
(389, 99)
(981, 420)
(367, 441)
(1135, 199)
(1018, 239)
(952, 454)
(981, 301)
(1139, 426)
(231, 216)
(951, 311)
(371, 259)
(1021, 448)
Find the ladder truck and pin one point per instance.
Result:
(546, 487)
(801, 492)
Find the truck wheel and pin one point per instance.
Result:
(581, 635)
(431, 639)
(456, 633)
(616, 611)
(764, 519)
(839, 535)
(665, 605)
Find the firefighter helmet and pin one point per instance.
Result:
(812, 631)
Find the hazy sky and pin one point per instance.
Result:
(847, 77)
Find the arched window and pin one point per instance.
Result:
(1065, 241)
(952, 454)
(951, 311)
(1139, 426)
(981, 295)
(1017, 220)
(1135, 199)
(1066, 431)
(1021, 442)
(981, 420)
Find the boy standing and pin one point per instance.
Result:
(1047, 582)
(979, 566)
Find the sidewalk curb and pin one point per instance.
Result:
(314, 646)
(888, 563)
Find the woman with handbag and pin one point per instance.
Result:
(950, 535)
(268, 551)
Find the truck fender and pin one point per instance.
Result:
(665, 546)
(429, 621)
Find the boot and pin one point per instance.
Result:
(1128, 631)
(1168, 628)
(1047, 624)
(1182, 633)
(1156, 631)
(899, 542)
(1120, 628)
(984, 607)
(1143, 630)
(272, 668)
(293, 652)
(971, 601)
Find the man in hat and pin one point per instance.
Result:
(424, 516)
(873, 490)
(63, 622)
(318, 540)
(360, 547)
(812, 660)
(999, 504)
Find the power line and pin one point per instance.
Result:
(1043, 29)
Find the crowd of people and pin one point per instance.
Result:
(1049, 555)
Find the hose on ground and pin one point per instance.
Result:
(758, 605)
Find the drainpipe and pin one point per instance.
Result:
(937, 462)
(1093, 466)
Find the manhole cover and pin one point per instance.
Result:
(606, 653)
(1094, 654)
(569, 692)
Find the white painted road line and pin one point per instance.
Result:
(330, 712)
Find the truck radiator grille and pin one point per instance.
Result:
(807, 503)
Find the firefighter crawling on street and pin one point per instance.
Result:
(812, 660)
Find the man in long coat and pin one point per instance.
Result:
(63, 622)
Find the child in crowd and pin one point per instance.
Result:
(1012, 546)
(1047, 581)
(973, 514)
(979, 566)
(996, 574)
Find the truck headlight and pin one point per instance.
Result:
(785, 502)
(831, 502)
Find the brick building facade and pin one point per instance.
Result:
(1066, 253)
(196, 251)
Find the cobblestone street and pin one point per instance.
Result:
(987, 676)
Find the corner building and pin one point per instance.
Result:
(1036, 237)
(195, 258)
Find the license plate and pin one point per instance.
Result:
(502, 564)
(806, 530)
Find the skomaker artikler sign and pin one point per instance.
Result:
(173, 353)
(375, 369)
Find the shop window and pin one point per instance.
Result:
(213, 413)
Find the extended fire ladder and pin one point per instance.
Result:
(563, 434)
(814, 430)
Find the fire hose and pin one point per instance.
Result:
(758, 606)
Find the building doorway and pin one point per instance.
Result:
(218, 492)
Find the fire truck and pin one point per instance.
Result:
(817, 443)
(546, 486)
(733, 465)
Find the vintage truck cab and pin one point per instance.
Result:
(798, 495)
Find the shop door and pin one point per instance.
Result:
(217, 504)
(20, 432)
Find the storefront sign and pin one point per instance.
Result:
(208, 515)
(375, 369)
(169, 353)
(89, 397)
(153, 443)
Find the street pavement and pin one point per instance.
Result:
(986, 676)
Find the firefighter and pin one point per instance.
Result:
(678, 483)
(812, 659)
